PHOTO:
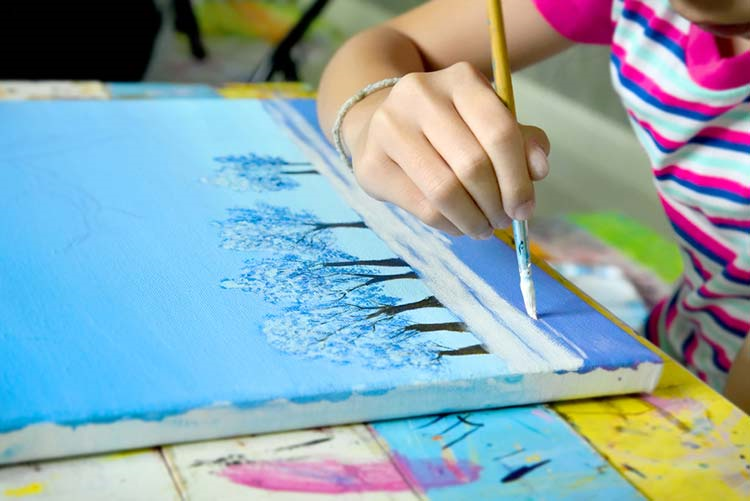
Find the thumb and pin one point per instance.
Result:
(537, 150)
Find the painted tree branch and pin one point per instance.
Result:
(394, 262)
(475, 349)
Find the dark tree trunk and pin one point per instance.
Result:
(330, 226)
(392, 262)
(444, 326)
(389, 311)
(377, 279)
(475, 349)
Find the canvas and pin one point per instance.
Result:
(189, 269)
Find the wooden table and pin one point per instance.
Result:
(683, 441)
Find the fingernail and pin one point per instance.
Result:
(501, 224)
(487, 234)
(538, 162)
(524, 212)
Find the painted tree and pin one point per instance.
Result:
(330, 303)
(258, 172)
(276, 229)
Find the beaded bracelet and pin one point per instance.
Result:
(338, 141)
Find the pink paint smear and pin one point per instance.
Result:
(333, 477)
(674, 405)
(429, 474)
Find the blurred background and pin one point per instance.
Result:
(219, 41)
(600, 179)
(239, 33)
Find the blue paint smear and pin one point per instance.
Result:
(562, 314)
(513, 453)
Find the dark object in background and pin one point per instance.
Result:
(186, 22)
(109, 40)
(112, 40)
(279, 62)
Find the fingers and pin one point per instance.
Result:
(444, 147)
(439, 184)
(384, 180)
(500, 136)
(456, 144)
(537, 151)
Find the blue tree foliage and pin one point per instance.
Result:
(328, 312)
(330, 304)
(257, 172)
(275, 229)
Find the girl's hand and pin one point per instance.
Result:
(444, 147)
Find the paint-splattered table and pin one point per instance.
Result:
(684, 441)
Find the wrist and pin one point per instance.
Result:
(355, 114)
(357, 121)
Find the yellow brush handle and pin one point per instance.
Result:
(500, 63)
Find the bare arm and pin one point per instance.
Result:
(431, 37)
(440, 144)
(738, 383)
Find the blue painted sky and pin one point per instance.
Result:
(113, 259)
(110, 293)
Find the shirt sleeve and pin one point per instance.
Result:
(582, 21)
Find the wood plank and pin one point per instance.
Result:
(515, 453)
(23, 90)
(310, 464)
(132, 475)
(684, 441)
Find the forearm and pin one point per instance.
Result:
(370, 56)
(433, 36)
(738, 383)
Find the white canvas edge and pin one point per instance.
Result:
(50, 440)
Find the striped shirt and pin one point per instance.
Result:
(690, 108)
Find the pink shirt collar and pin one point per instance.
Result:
(708, 68)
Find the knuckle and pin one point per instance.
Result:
(382, 121)
(465, 73)
(464, 68)
(473, 165)
(429, 215)
(410, 85)
(442, 190)
(504, 133)
(366, 174)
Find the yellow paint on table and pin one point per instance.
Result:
(684, 441)
(681, 442)
(26, 490)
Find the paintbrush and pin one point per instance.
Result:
(504, 89)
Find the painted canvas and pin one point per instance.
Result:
(189, 269)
